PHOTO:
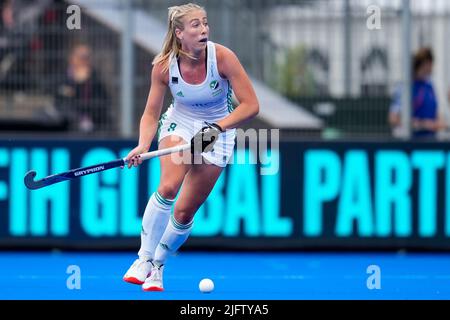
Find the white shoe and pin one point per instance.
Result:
(155, 281)
(138, 271)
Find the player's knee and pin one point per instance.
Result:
(168, 191)
(183, 216)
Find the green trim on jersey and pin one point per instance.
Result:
(230, 98)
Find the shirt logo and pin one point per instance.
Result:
(175, 80)
(180, 94)
(214, 85)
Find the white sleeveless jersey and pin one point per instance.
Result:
(209, 100)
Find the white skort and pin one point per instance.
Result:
(173, 122)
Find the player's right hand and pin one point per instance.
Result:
(204, 140)
(133, 158)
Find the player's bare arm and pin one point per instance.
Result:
(231, 69)
(151, 114)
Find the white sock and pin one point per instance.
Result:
(174, 236)
(154, 222)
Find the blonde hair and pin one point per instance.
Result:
(172, 45)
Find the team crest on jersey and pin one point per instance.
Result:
(214, 85)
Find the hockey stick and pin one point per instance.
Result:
(76, 173)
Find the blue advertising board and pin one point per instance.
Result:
(303, 195)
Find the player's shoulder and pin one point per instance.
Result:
(224, 53)
(160, 73)
(226, 60)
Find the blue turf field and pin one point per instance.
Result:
(246, 276)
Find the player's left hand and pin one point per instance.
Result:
(204, 140)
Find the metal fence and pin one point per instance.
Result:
(53, 78)
(325, 55)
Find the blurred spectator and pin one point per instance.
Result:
(10, 44)
(7, 21)
(425, 120)
(18, 26)
(81, 97)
